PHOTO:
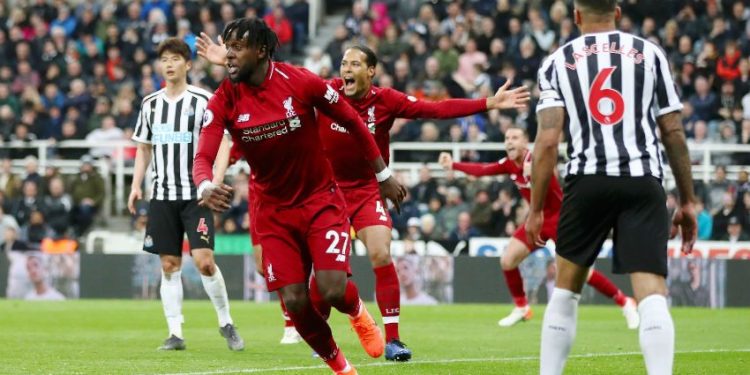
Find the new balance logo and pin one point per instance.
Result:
(245, 117)
(341, 258)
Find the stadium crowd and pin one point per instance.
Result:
(75, 70)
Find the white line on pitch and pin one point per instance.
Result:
(443, 361)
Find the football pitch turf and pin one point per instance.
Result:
(120, 337)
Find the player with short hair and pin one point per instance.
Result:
(518, 165)
(379, 108)
(269, 107)
(608, 90)
(167, 132)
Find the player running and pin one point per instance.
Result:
(300, 216)
(378, 107)
(167, 132)
(518, 165)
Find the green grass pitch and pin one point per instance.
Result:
(120, 337)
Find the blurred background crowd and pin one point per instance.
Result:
(78, 69)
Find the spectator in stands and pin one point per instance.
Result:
(107, 133)
(316, 60)
(6, 221)
(429, 133)
(29, 201)
(464, 230)
(454, 205)
(705, 221)
(87, 190)
(722, 216)
(36, 229)
(727, 66)
(354, 19)
(734, 232)
(335, 47)
(298, 14)
(426, 188)
(31, 169)
(482, 214)
(705, 103)
(413, 229)
(717, 188)
(10, 183)
(428, 227)
(58, 206)
(446, 56)
(20, 140)
(278, 22)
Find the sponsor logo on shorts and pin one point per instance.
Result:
(148, 242)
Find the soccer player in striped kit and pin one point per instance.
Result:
(613, 95)
(167, 134)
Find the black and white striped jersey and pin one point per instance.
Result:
(613, 86)
(172, 127)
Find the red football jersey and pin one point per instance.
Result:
(275, 127)
(378, 109)
(521, 177)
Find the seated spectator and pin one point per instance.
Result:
(25, 77)
(426, 188)
(87, 190)
(29, 201)
(722, 216)
(19, 140)
(464, 231)
(727, 66)
(705, 221)
(428, 228)
(6, 221)
(106, 133)
(705, 103)
(734, 232)
(316, 60)
(278, 22)
(446, 56)
(10, 183)
(58, 206)
(717, 188)
(482, 214)
(36, 229)
(454, 206)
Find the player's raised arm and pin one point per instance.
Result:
(327, 100)
(411, 107)
(474, 169)
(216, 197)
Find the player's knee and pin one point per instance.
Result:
(295, 301)
(170, 266)
(207, 268)
(332, 293)
(379, 256)
(507, 263)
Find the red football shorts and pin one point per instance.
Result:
(296, 240)
(549, 231)
(365, 207)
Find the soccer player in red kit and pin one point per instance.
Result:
(518, 165)
(291, 336)
(301, 220)
(379, 108)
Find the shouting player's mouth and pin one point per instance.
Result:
(350, 85)
(232, 70)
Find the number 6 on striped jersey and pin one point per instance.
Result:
(599, 93)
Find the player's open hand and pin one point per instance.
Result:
(446, 160)
(135, 195)
(216, 197)
(509, 99)
(392, 190)
(534, 223)
(684, 220)
(207, 49)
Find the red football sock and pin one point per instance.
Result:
(515, 286)
(287, 320)
(316, 333)
(606, 287)
(388, 295)
(320, 304)
(349, 305)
